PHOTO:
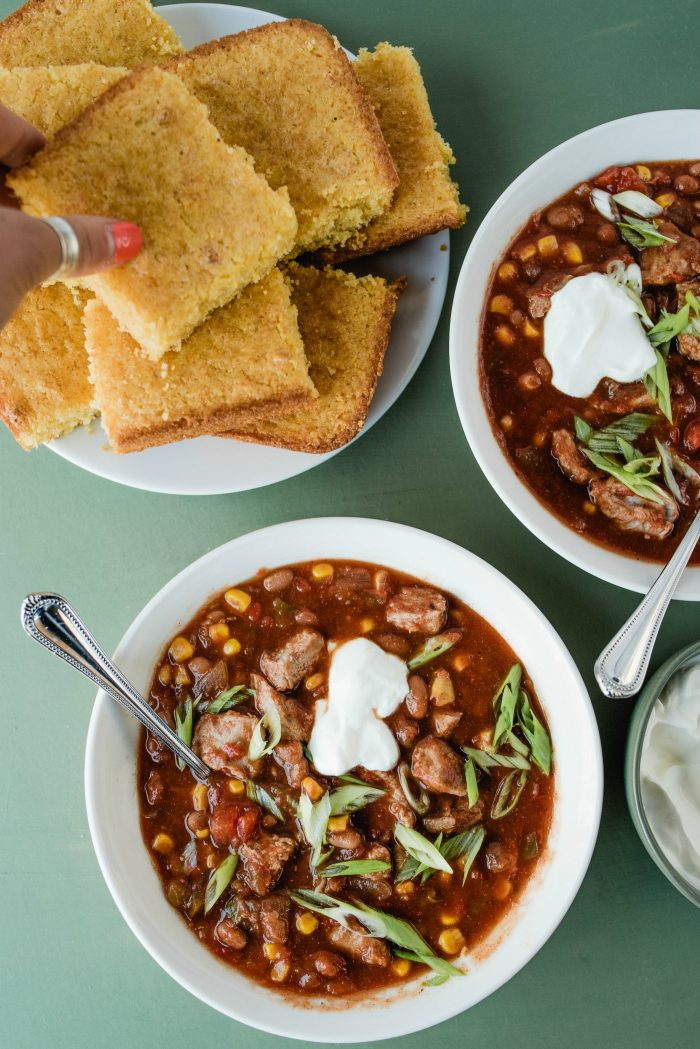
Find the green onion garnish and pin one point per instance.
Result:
(466, 844)
(657, 385)
(183, 726)
(314, 823)
(417, 846)
(226, 700)
(443, 969)
(488, 759)
(434, 647)
(353, 797)
(420, 803)
(642, 234)
(266, 735)
(508, 794)
(504, 704)
(347, 868)
(530, 846)
(535, 733)
(257, 793)
(219, 881)
(472, 785)
(606, 440)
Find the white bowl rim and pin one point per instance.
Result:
(604, 563)
(298, 1022)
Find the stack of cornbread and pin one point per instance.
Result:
(234, 159)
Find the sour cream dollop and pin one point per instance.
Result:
(365, 684)
(592, 332)
(670, 772)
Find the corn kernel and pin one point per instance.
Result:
(165, 674)
(163, 843)
(322, 571)
(445, 876)
(501, 304)
(505, 335)
(401, 967)
(311, 788)
(461, 661)
(211, 861)
(404, 888)
(530, 330)
(524, 251)
(314, 681)
(280, 971)
(338, 823)
(181, 676)
(306, 923)
(643, 172)
(588, 507)
(484, 739)
(507, 271)
(237, 599)
(665, 199)
(548, 246)
(366, 625)
(200, 797)
(442, 692)
(507, 422)
(502, 889)
(181, 649)
(202, 833)
(232, 647)
(271, 951)
(540, 439)
(219, 631)
(573, 253)
(236, 786)
(451, 941)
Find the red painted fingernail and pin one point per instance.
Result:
(127, 240)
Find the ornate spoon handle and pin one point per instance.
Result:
(50, 620)
(621, 667)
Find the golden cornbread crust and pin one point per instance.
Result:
(45, 390)
(427, 199)
(246, 361)
(66, 32)
(287, 93)
(345, 322)
(51, 96)
(146, 152)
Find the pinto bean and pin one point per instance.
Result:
(275, 582)
(686, 184)
(529, 381)
(417, 698)
(691, 435)
(329, 964)
(565, 216)
(230, 935)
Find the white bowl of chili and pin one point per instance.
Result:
(113, 809)
(630, 140)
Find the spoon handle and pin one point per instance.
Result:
(621, 667)
(50, 620)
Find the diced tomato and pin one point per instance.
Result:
(618, 179)
(254, 612)
(233, 823)
(248, 823)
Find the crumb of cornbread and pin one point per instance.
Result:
(427, 199)
(245, 361)
(51, 96)
(345, 322)
(287, 93)
(146, 152)
(66, 32)
(45, 390)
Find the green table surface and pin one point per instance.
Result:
(507, 80)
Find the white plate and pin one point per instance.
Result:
(112, 804)
(214, 465)
(648, 136)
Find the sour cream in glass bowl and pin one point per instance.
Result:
(664, 135)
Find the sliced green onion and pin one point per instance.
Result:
(378, 923)
(314, 823)
(632, 478)
(508, 794)
(219, 881)
(434, 647)
(466, 844)
(518, 746)
(669, 326)
(257, 793)
(422, 850)
(226, 700)
(606, 440)
(642, 234)
(530, 846)
(420, 803)
(347, 778)
(266, 735)
(488, 759)
(472, 785)
(353, 797)
(667, 470)
(504, 704)
(443, 969)
(535, 733)
(347, 868)
(184, 713)
(638, 203)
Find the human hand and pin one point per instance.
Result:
(33, 251)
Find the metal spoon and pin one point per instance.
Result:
(621, 667)
(50, 620)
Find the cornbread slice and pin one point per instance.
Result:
(345, 322)
(65, 32)
(247, 357)
(427, 199)
(146, 152)
(51, 96)
(45, 390)
(287, 93)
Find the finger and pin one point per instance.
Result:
(102, 243)
(18, 139)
